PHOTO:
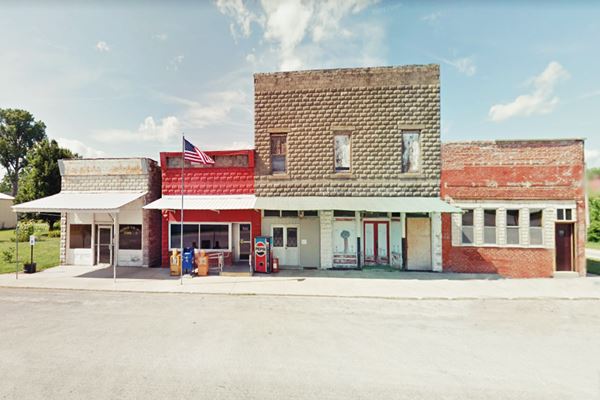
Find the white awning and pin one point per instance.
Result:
(376, 204)
(194, 202)
(101, 202)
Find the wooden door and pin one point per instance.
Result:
(564, 247)
(418, 244)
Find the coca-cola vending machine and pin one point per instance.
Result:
(262, 254)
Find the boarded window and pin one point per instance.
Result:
(467, 227)
(80, 236)
(411, 152)
(343, 213)
(341, 147)
(289, 213)
(279, 153)
(310, 213)
(536, 232)
(512, 227)
(271, 213)
(130, 237)
(489, 226)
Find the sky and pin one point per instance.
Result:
(125, 79)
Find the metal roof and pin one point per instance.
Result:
(80, 202)
(6, 197)
(195, 202)
(377, 204)
(249, 202)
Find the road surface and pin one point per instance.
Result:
(100, 345)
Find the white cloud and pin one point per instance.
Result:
(161, 37)
(298, 32)
(592, 158)
(214, 110)
(102, 47)
(80, 148)
(175, 63)
(465, 65)
(148, 131)
(431, 18)
(541, 100)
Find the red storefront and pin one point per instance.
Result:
(219, 214)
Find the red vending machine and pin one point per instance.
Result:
(262, 254)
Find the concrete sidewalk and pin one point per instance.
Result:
(312, 283)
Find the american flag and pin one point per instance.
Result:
(195, 155)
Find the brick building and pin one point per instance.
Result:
(524, 207)
(102, 219)
(348, 166)
(219, 205)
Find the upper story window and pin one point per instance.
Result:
(341, 149)
(565, 214)
(512, 227)
(489, 226)
(536, 232)
(468, 234)
(279, 153)
(411, 151)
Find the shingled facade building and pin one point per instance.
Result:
(348, 166)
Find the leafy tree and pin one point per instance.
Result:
(41, 176)
(594, 228)
(19, 131)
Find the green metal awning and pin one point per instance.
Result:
(374, 204)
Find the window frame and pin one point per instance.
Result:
(198, 242)
(488, 227)
(347, 134)
(472, 226)
(285, 155)
(121, 226)
(540, 228)
(90, 236)
(402, 155)
(516, 227)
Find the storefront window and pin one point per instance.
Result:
(214, 237)
(190, 235)
(80, 236)
(130, 237)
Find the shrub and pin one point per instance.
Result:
(594, 231)
(53, 234)
(40, 229)
(26, 229)
(8, 255)
(56, 225)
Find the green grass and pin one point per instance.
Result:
(45, 252)
(593, 266)
(593, 245)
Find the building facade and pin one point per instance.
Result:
(348, 166)
(219, 214)
(102, 217)
(524, 207)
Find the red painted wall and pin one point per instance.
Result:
(512, 170)
(208, 181)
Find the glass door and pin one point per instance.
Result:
(245, 245)
(104, 245)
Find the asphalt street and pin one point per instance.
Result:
(100, 345)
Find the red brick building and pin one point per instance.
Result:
(219, 214)
(524, 208)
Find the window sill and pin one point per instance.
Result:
(341, 175)
(276, 177)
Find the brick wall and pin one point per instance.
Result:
(209, 180)
(374, 104)
(513, 171)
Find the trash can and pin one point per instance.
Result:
(188, 260)
(29, 268)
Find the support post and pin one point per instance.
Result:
(17, 248)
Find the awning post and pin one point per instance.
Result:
(17, 247)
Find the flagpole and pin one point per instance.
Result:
(182, 189)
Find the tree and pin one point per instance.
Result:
(19, 131)
(41, 176)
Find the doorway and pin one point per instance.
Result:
(104, 244)
(418, 243)
(285, 244)
(377, 243)
(564, 246)
(244, 242)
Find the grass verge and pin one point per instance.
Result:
(592, 245)
(45, 252)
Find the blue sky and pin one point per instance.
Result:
(124, 80)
